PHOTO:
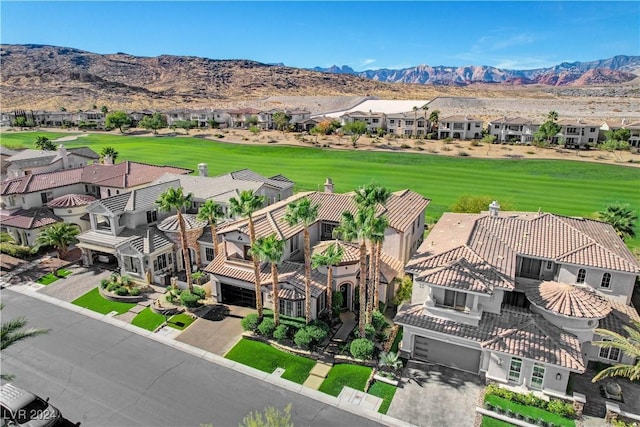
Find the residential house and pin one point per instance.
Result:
(92, 118)
(232, 274)
(516, 296)
(28, 162)
(459, 127)
(408, 123)
(634, 133)
(240, 118)
(578, 133)
(512, 129)
(373, 120)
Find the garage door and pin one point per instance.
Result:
(447, 354)
(236, 295)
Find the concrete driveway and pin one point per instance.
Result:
(216, 331)
(77, 284)
(436, 396)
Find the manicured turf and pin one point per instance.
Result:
(397, 341)
(535, 413)
(561, 186)
(266, 358)
(148, 320)
(386, 392)
(183, 319)
(94, 301)
(353, 376)
(493, 422)
(19, 140)
(49, 278)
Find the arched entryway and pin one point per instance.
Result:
(346, 289)
(180, 257)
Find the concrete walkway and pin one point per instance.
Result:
(349, 322)
(317, 375)
(214, 336)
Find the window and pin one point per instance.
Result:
(537, 376)
(375, 120)
(592, 130)
(152, 216)
(590, 140)
(286, 307)
(456, 300)
(300, 308)
(609, 353)
(293, 244)
(46, 197)
(582, 273)
(208, 254)
(549, 265)
(497, 126)
(514, 369)
(392, 121)
(408, 122)
(606, 280)
(108, 192)
(160, 262)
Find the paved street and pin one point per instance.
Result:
(101, 375)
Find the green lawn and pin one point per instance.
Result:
(494, 422)
(536, 413)
(560, 186)
(19, 140)
(148, 320)
(386, 392)
(266, 358)
(94, 301)
(353, 376)
(180, 321)
(397, 341)
(49, 278)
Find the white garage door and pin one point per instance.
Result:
(447, 354)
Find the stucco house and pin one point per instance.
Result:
(232, 274)
(459, 127)
(516, 296)
(407, 123)
(634, 133)
(578, 133)
(29, 162)
(374, 120)
(512, 129)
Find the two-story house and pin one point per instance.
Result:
(578, 133)
(374, 120)
(634, 133)
(232, 274)
(241, 118)
(28, 162)
(512, 129)
(516, 296)
(408, 123)
(94, 118)
(459, 127)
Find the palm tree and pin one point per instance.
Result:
(211, 211)
(415, 120)
(630, 346)
(45, 144)
(621, 218)
(302, 211)
(552, 116)
(60, 235)
(245, 205)
(379, 226)
(174, 198)
(330, 257)
(109, 151)
(434, 117)
(358, 228)
(425, 108)
(12, 332)
(270, 249)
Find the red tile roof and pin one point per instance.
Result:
(71, 200)
(568, 300)
(29, 219)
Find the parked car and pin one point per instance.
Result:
(21, 408)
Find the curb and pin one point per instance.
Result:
(221, 361)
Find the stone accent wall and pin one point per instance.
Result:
(192, 241)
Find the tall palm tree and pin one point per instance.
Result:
(45, 144)
(415, 120)
(379, 226)
(425, 108)
(434, 117)
(621, 218)
(330, 257)
(270, 249)
(245, 205)
(12, 332)
(630, 346)
(109, 151)
(60, 235)
(302, 211)
(174, 198)
(358, 228)
(552, 116)
(211, 212)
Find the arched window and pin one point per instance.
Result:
(582, 273)
(606, 280)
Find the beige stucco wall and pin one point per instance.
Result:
(621, 285)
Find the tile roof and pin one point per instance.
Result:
(578, 122)
(138, 199)
(219, 188)
(249, 175)
(41, 181)
(29, 219)
(511, 121)
(459, 119)
(149, 240)
(404, 207)
(515, 332)
(620, 316)
(171, 224)
(351, 251)
(71, 200)
(567, 300)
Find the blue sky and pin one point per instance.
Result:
(363, 35)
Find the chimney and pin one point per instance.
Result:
(328, 186)
(107, 160)
(62, 152)
(203, 169)
(494, 209)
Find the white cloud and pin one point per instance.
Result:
(367, 61)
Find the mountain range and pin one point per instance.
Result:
(51, 77)
(618, 69)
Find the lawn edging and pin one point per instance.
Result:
(121, 298)
(492, 414)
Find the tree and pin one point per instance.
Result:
(245, 205)
(104, 109)
(303, 212)
(404, 290)
(629, 345)
(618, 135)
(552, 116)
(356, 128)
(12, 332)
(45, 144)
(213, 124)
(255, 130)
(378, 227)
(415, 120)
(63, 109)
(272, 418)
(155, 122)
(211, 212)
(187, 125)
(281, 120)
(109, 151)
(330, 257)
(174, 198)
(252, 121)
(434, 118)
(59, 235)
(358, 228)
(621, 218)
(547, 131)
(118, 119)
(270, 249)
(20, 121)
(476, 204)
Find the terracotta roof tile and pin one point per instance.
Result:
(351, 251)
(71, 200)
(29, 219)
(190, 221)
(568, 300)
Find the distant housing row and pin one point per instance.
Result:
(416, 123)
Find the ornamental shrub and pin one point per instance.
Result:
(112, 286)
(362, 348)
(104, 283)
(250, 322)
(281, 333)
(267, 327)
(302, 339)
(189, 299)
(378, 321)
(320, 324)
(122, 291)
(198, 290)
(316, 333)
(369, 332)
(134, 292)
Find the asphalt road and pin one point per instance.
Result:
(101, 375)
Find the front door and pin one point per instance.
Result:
(344, 290)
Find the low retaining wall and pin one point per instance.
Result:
(121, 298)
